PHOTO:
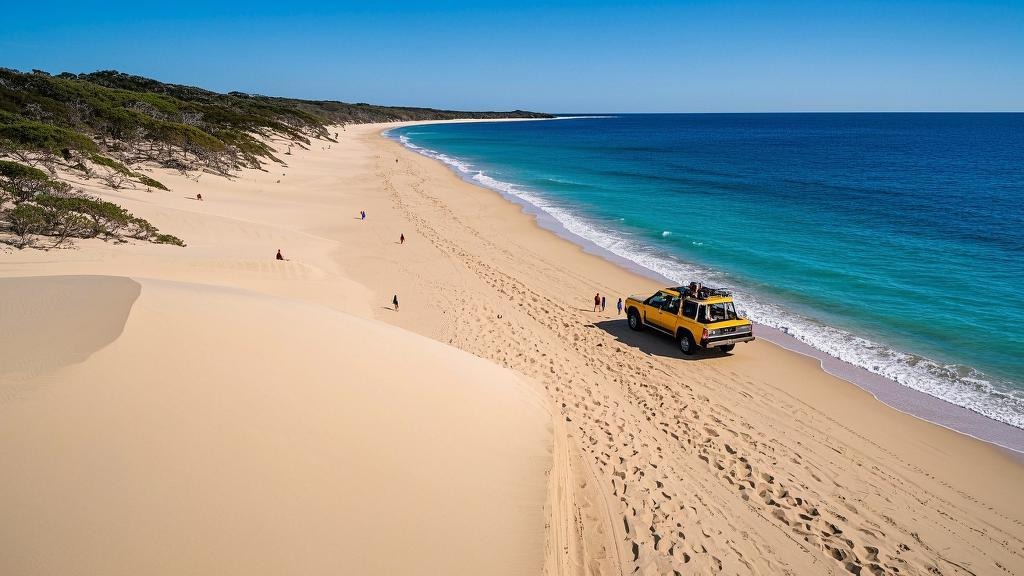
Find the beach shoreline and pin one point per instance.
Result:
(887, 391)
(752, 462)
(803, 377)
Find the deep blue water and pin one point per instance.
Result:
(891, 241)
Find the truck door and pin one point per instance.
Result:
(652, 310)
(668, 315)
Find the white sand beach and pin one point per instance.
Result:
(209, 410)
(228, 432)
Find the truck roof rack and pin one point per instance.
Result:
(705, 292)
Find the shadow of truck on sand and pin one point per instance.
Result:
(652, 342)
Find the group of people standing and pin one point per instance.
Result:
(600, 301)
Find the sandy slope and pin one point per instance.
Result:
(756, 462)
(225, 432)
(752, 463)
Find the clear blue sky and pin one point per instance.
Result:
(560, 57)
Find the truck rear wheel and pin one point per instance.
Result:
(727, 347)
(634, 319)
(686, 344)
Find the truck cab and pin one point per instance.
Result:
(704, 318)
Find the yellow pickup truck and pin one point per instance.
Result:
(695, 316)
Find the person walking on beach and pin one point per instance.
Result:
(619, 306)
(279, 256)
(394, 302)
(597, 301)
(401, 238)
(602, 303)
(362, 214)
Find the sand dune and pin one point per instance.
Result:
(92, 311)
(225, 432)
(257, 415)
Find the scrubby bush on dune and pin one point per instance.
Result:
(141, 119)
(167, 239)
(106, 219)
(119, 174)
(105, 123)
(110, 163)
(147, 181)
(62, 221)
(25, 221)
(44, 138)
(19, 182)
(33, 204)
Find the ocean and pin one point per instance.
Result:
(892, 242)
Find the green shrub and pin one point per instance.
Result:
(168, 239)
(20, 183)
(25, 221)
(141, 229)
(40, 137)
(105, 219)
(186, 137)
(108, 219)
(146, 180)
(110, 163)
(222, 131)
(77, 216)
(62, 222)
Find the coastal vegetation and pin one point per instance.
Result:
(32, 204)
(117, 120)
(109, 126)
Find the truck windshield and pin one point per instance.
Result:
(718, 312)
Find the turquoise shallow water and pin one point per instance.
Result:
(890, 241)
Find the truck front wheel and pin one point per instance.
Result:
(686, 344)
(634, 319)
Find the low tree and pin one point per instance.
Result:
(70, 215)
(25, 221)
(21, 183)
(140, 229)
(44, 140)
(67, 225)
(106, 218)
(62, 221)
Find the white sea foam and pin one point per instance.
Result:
(959, 385)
